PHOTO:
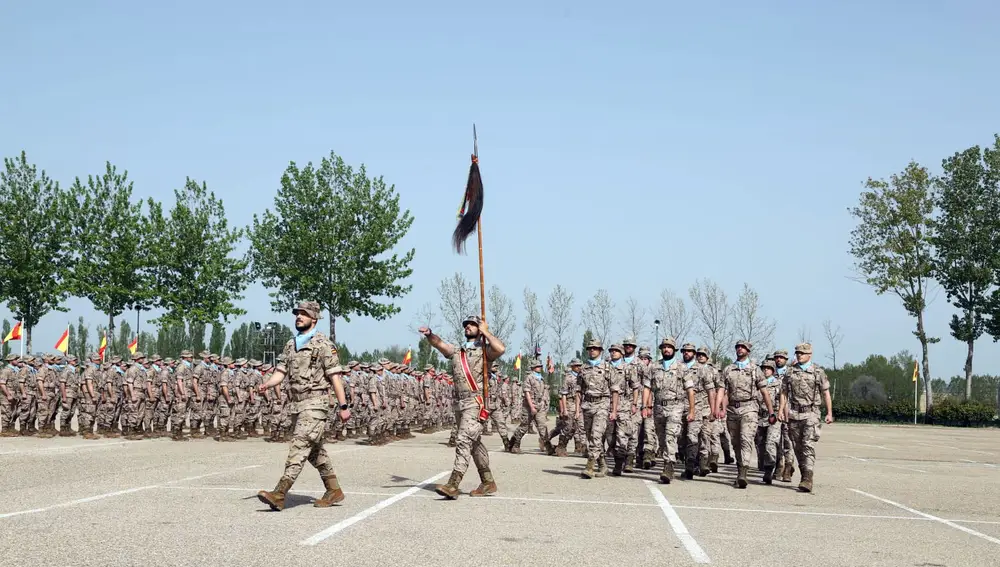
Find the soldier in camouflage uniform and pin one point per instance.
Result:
(597, 399)
(28, 387)
(768, 437)
(699, 381)
(627, 429)
(134, 398)
(785, 466)
(665, 399)
(69, 396)
(310, 362)
(497, 415)
(531, 409)
(647, 425)
(46, 383)
(566, 425)
(741, 380)
(804, 390)
(719, 444)
(480, 347)
(9, 395)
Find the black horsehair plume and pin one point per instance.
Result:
(471, 209)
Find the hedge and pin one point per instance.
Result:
(946, 412)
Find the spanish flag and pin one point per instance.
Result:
(14, 334)
(916, 368)
(104, 346)
(134, 345)
(62, 345)
(408, 357)
(517, 362)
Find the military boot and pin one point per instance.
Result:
(619, 466)
(333, 494)
(88, 434)
(340, 435)
(629, 463)
(786, 475)
(515, 446)
(241, 434)
(561, 450)
(602, 467)
(276, 498)
(47, 432)
(506, 442)
(450, 490)
(550, 449)
(703, 466)
(806, 484)
(667, 474)
(768, 474)
(713, 466)
(487, 485)
(589, 471)
(741, 476)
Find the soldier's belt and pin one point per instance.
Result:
(803, 408)
(589, 398)
(734, 404)
(665, 401)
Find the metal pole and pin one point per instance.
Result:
(915, 400)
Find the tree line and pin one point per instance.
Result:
(919, 231)
(329, 236)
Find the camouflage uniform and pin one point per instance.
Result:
(700, 379)
(46, 381)
(804, 387)
(741, 380)
(785, 466)
(8, 407)
(627, 430)
(134, 405)
(89, 381)
(664, 379)
(768, 437)
(534, 386)
(227, 384)
(599, 384)
(185, 401)
(566, 424)
(28, 404)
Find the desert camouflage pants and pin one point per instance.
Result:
(26, 411)
(627, 433)
(48, 410)
(527, 418)
(88, 414)
(307, 444)
(768, 443)
(8, 413)
(498, 421)
(69, 407)
(742, 425)
(569, 428)
(699, 442)
(225, 414)
(803, 435)
(595, 424)
(720, 442)
(668, 419)
(469, 441)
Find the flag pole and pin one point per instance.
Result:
(482, 284)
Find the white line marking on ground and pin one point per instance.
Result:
(344, 524)
(116, 493)
(949, 523)
(693, 549)
(866, 445)
(990, 465)
(953, 448)
(68, 448)
(900, 467)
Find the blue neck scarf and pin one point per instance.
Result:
(666, 362)
(806, 366)
(186, 363)
(470, 344)
(594, 361)
(537, 375)
(743, 364)
(617, 363)
(691, 364)
(629, 359)
(302, 338)
(119, 370)
(781, 371)
(156, 367)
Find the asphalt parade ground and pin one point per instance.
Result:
(884, 495)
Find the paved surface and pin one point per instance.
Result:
(884, 496)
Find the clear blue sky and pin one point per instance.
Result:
(723, 142)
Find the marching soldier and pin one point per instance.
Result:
(699, 381)
(567, 426)
(768, 437)
(741, 380)
(46, 381)
(664, 398)
(497, 415)
(531, 400)
(69, 396)
(226, 399)
(803, 389)
(621, 430)
(597, 404)
(8, 395)
(720, 439)
(785, 468)
(310, 362)
(471, 411)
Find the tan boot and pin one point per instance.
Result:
(276, 498)
(741, 476)
(786, 475)
(487, 485)
(629, 463)
(561, 451)
(450, 490)
(88, 434)
(806, 484)
(602, 467)
(589, 471)
(667, 474)
(333, 494)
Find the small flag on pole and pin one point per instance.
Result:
(62, 345)
(916, 367)
(134, 345)
(409, 356)
(517, 362)
(14, 334)
(104, 346)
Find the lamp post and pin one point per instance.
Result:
(656, 334)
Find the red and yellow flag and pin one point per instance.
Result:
(517, 362)
(134, 345)
(14, 334)
(104, 346)
(409, 356)
(62, 345)
(916, 370)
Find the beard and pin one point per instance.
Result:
(302, 327)
(471, 336)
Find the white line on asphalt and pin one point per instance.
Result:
(116, 493)
(953, 448)
(67, 448)
(342, 525)
(693, 549)
(866, 445)
(900, 467)
(930, 517)
(990, 465)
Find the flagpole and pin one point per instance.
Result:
(482, 283)
(915, 400)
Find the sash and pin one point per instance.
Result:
(484, 413)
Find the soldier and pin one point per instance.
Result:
(238, 390)
(566, 425)
(720, 439)
(768, 437)
(377, 393)
(531, 400)
(310, 361)
(254, 401)
(741, 380)
(699, 381)
(597, 404)
(69, 396)
(803, 389)
(201, 379)
(664, 399)
(164, 387)
(647, 425)
(46, 382)
(785, 466)
(184, 396)
(628, 436)
(28, 388)
(88, 396)
(135, 396)
(8, 395)
(471, 412)
(226, 400)
(109, 400)
(498, 416)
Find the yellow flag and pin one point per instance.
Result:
(916, 367)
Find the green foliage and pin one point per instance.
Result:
(892, 412)
(119, 344)
(5, 347)
(197, 336)
(35, 243)
(866, 389)
(171, 339)
(327, 240)
(79, 340)
(217, 342)
(197, 278)
(426, 354)
(964, 414)
(894, 375)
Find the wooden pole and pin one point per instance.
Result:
(482, 302)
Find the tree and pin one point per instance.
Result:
(424, 317)
(674, 316)
(750, 323)
(120, 343)
(867, 389)
(833, 338)
(329, 240)
(458, 300)
(534, 323)
(599, 316)
(562, 327)
(171, 339)
(35, 243)
(110, 260)
(712, 312)
(582, 353)
(891, 245)
(633, 318)
(197, 337)
(966, 241)
(5, 347)
(805, 334)
(217, 342)
(500, 314)
(79, 343)
(197, 277)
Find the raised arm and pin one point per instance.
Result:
(447, 350)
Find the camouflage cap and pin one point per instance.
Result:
(365, 366)
(266, 368)
(617, 347)
(744, 344)
(768, 364)
(702, 350)
(71, 359)
(475, 319)
(94, 356)
(226, 361)
(688, 346)
(536, 363)
(205, 354)
(428, 367)
(11, 357)
(352, 363)
(254, 363)
(383, 361)
(575, 362)
(310, 308)
(668, 341)
(169, 360)
(629, 340)
(495, 365)
(155, 358)
(644, 352)
(214, 357)
(240, 362)
(116, 359)
(137, 355)
(186, 354)
(804, 348)
(780, 353)
(29, 359)
(595, 343)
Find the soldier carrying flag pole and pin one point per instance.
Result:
(472, 359)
